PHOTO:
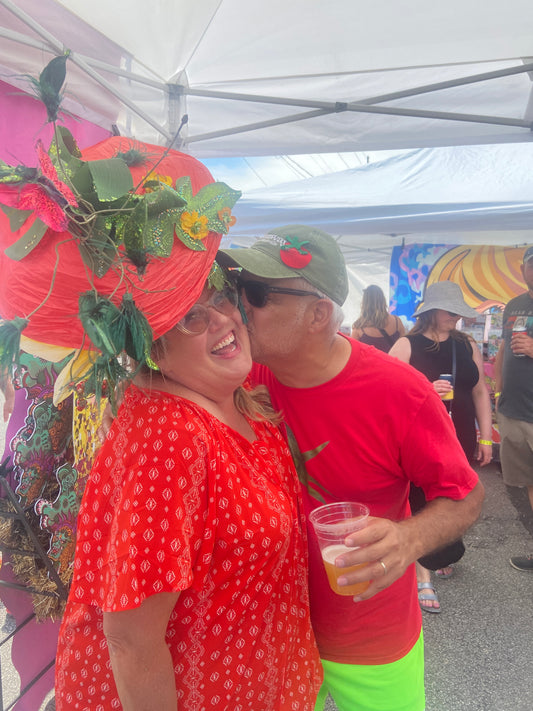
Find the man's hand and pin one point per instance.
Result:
(383, 545)
(390, 547)
(522, 344)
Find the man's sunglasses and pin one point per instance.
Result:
(257, 292)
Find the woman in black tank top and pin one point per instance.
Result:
(435, 347)
(375, 326)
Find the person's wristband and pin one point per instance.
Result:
(497, 394)
(485, 441)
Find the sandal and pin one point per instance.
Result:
(445, 572)
(422, 597)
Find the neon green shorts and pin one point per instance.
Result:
(398, 686)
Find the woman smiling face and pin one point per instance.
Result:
(213, 363)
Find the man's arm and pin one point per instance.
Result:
(140, 658)
(398, 544)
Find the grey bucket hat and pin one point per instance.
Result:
(445, 295)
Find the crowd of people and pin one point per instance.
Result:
(197, 581)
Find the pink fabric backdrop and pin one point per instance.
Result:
(23, 122)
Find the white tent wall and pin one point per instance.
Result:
(288, 76)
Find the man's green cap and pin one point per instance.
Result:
(294, 251)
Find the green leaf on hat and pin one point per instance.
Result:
(211, 200)
(103, 323)
(111, 178)
(216, 278)
(98, 251)
(83, 184)
(169, 223)
(16, 174)
(16, 217)
(65, 154)
(28, 241)
(10, 342)
(48, 86)
(138, 340)
(184, 188)
(53, 75)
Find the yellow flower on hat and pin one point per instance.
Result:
(194, 225)
(156, 177)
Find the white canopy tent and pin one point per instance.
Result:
(287, 76)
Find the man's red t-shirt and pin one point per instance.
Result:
(370, 431)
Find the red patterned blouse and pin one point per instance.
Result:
(179, 502)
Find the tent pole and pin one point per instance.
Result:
(96, 63)
(255, 126)
(358, 107)
(59, 48)
(450, 84)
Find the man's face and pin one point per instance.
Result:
(527, 273)
(277, 329)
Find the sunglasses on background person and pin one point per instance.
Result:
(257, 292)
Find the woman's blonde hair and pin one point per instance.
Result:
(374, 311)
(256, 404)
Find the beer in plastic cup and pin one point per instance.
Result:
(332, 523)
(449, 378)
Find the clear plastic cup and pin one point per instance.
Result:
(332, 523)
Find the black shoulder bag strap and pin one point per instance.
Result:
(454, 369)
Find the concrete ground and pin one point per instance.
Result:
(479, 650)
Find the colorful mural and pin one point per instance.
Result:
(489, 276)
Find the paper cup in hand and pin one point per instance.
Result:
(332, 523)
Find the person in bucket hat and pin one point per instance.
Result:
(453, 363)
(446, 296)
(513, 370)
(361, 426)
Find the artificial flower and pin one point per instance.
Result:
(226, 217)
(194, 225)
(35, 197)
(157, 177)
(49, 171)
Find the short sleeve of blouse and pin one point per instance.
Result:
(142, 525)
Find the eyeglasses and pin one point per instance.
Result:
(257, 292)
(197, 318)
